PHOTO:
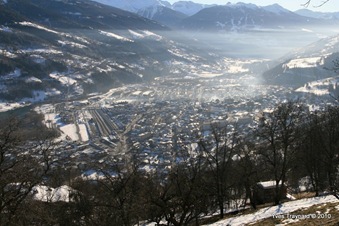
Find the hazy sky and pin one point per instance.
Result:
(331, 6)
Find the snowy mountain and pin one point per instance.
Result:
(311, 63)
(277, 9)
(185, 7)
(50, 48)
(162, 14)
(133, 5)
(160, 11)
(189, 8)
(229, 17)
(242, 16)
(318, 15)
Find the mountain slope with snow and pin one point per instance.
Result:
(162, 14)
(311, 63)
(275, 211)
(157, 10)
(50, 49)
(188, 7)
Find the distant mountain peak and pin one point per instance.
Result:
(276, 8)
(242, 4)
(188, 7)
(132, 5)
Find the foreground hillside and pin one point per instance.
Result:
(308, 211)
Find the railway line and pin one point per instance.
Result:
(103, 127)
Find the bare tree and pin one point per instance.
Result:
(219, 150)
(330, 136)
(310, 152)
(248, 170)
(23, 165)
(279, 132)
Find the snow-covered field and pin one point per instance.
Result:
(305, 62)
(282, 210)
(83, 132)
(70, 131)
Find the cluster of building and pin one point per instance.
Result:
(160, 123)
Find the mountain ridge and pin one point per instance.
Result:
(229, 17)
(242, 17)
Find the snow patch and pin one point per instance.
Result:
(95, 175)
(30, 24)
(209, 75)
(136, 34)
(47, 194)
(40, 51)
(307, 30)
(153, 35)
(5, 29)
(268, 184)
(74, 13)
(5, 106)
(112, 35)
(65, 80)
(7, 53)
(144, 34)
(33, 80)
(72, 44)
